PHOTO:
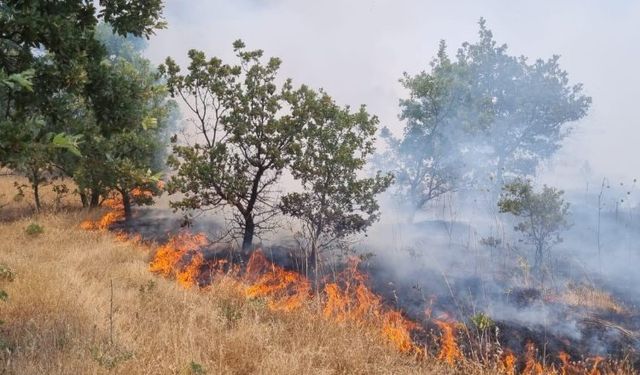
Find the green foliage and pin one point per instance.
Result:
(482, 321)
(543, 215)
(34, 229)
(195, 368)
(55, 77)
(478, 118)
(6, 274)
(127, 124)
(230, 311)
(332, 150)
(241, 139)
(17, 81)
(425, 160)
(109, 357)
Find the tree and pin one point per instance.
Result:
(426, 160)
(478, 119)
(243, 137)
(335, 201)
(28, 140)
(125, 131)
(529, 107)
(56, 40)
(544, 214)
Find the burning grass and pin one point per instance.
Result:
(217, 317)
(57, 318)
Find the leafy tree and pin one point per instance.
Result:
(426, 160)
(54, 42)
(483, 114)
(125, 129)
(530, 103)
(335, 201)
(243, 137)
(543, 214)
(30, 147)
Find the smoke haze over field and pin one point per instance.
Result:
(357, 51)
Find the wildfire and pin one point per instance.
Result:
(168, 258)
(356, 303)
(346, 300)
(115, 213)
(449, 350)
(116, 209)
(532, 366)
(509, 364)
(286, 290)
(596, 362)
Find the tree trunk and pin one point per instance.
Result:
(539, 259)
(249, 229)
(95, 198)
(84, 200)
(126, 202)
(36, 195)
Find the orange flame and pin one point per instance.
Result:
(286, 290)
(358, 304)
(188, 276)
(509, 364)
(564, 358)
(168, 256)
(532, 366)
(449, 350)
(596, 362)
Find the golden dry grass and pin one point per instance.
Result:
(57, 319)
(58, 315)
(591, 298)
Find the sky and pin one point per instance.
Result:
(358, 49)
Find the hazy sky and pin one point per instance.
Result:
(358, 49)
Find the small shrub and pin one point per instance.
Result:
(34, 229)
(6, 274)
(147, 287)
(482, 321)
(194, 368)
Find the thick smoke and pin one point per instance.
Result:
(461, 256)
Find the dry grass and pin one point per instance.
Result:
(57, 318)
(591, 298)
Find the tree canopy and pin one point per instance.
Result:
(335, 201)
(473, 120)
(543, 215)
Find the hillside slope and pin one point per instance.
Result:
(58, 316)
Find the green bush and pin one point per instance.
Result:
(34, 229)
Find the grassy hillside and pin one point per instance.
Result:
(58, 317)
(85, 302)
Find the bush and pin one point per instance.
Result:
(34, 229)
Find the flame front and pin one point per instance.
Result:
(347, 300)
(168, 258)
(509, 364)
(532, 366)
(286, 290)
(356, 303)
(449, 350)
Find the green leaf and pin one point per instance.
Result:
(24, 79)
(70, 143)
(149, 123)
